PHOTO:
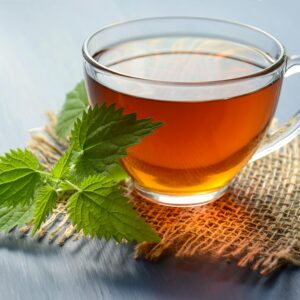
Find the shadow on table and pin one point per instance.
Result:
(177, 278)
(26, 244)
(99, 265)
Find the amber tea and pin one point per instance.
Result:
(203, 142)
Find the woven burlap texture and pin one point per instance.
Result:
(257, 222)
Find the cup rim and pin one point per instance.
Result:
(274, 66)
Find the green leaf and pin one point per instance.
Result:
(117, 172)
(75, 103)
(103, 135)
(19, 176)
(11, 217)
(62, 168)
(100, 209)
(46, 199)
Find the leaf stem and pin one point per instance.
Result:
(44, 173)
(72, 185)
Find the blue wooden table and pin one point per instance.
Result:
(40, 59)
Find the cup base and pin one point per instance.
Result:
(198, 199)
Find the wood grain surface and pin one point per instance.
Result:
(40, 59)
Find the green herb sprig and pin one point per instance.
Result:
(88, 175)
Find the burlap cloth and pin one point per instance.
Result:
(257, 222)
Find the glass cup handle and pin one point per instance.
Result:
(290, 129)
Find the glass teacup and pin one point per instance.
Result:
(215, 86)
